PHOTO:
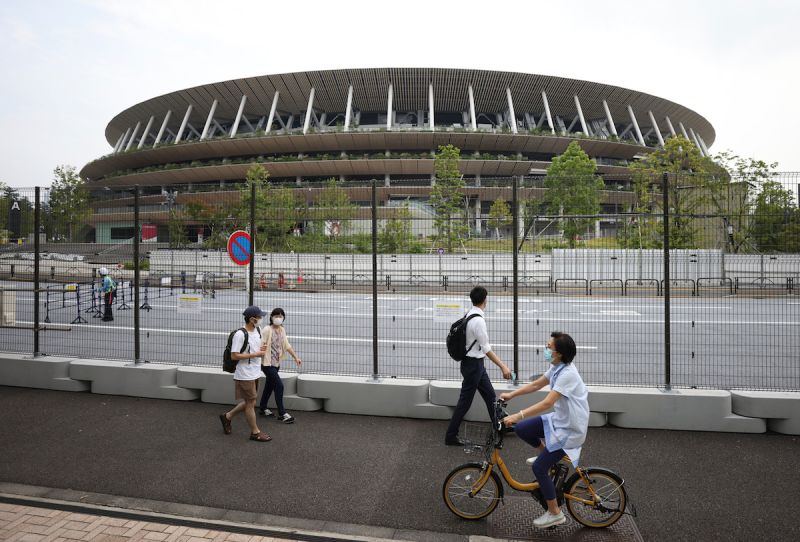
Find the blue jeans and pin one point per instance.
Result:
(475, 379)
(274, 383)
(531, 431)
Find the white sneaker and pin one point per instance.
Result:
(531, 460)
(549, 520)
(266, 412)
(286, 418)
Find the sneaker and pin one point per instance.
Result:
(286, 418)
(266, 412)
(531, 460)
(549, 520)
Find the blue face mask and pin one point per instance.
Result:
(548, 355)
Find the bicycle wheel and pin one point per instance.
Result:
(458, 485)
(607, 486)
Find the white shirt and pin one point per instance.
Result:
(476, 331)
(567, 425)
(247, 369)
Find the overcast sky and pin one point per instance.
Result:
(69, 66)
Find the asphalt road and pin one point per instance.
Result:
(724, 342)
(377, 471)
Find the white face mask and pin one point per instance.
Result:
(277, 321)
(258, 322)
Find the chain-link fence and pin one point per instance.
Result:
(372, 275)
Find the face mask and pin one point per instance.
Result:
(258, 322)
(548, 355)
(277, 321)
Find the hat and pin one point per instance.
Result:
(103, 271)
(254, 312)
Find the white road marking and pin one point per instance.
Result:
(612, 313)
(573, 301)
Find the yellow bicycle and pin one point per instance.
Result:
(594, 496)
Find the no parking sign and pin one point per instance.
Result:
(239, 247)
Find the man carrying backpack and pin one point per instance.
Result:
(472, 368)
(247, 350)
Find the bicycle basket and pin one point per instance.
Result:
(478, 437)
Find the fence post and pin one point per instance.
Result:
(252, 269)
(137, 338)
(667, 288)
(515, 285)
(374, 282)
(37, 223)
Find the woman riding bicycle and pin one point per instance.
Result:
(564, 430)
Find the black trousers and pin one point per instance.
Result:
(475, 379)
(108, 299)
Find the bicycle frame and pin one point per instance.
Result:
(496, 460)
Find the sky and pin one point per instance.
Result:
(68, 67)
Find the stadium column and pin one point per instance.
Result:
(636, 126)
(669, 125)
(655, 127)
(348, 111)
(309, 110)
(547, 112)
(584, 127)
(430, 107)
(512, 121)
(163, 127)
(389, 109)
(271, 118)
(118, 143)
(146, 132)
(133, 136)
(239, 114)
(611, 125)
(696, 142)
(183, 124)
(478, 214)
(124, 139)
(703, 145)
(208, 120)
(472, 119)
(683, 130)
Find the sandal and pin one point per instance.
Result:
(260, 437)
(226, 424)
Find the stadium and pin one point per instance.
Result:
(365, 125)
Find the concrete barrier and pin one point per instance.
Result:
(216, 386)
(151, 380)
(361, 395)
(46, 372)
(780, 409)
(684, 409)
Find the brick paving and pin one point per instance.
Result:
(28, 524)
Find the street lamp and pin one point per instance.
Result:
(169, 200)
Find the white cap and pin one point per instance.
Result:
(103, 271)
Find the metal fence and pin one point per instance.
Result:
(653, 297)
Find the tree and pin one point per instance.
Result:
(335, 209)
(396, 234)
(499, 215)
(689, 174)
(573, 189)
(216, 218)
(446, 197)
(775, 222)
(276, 210)
(69, 200)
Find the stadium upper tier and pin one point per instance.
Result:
(383, 122)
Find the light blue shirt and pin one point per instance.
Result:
(566, 427)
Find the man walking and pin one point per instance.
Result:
(248, 371)
(472, 368)
(107, 289)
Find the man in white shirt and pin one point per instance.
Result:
(248, 371)
(472, 368)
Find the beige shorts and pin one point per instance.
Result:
(246, 389)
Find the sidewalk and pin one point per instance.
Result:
(382, 474)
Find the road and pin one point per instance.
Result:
(722, 342)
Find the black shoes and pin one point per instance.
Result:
(453, 441)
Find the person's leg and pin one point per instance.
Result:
(486, 390)
(541, 469)
(235, 410)
(278, 383)
(531, 430)
(250, 414)
(268, 387)
(470, 372)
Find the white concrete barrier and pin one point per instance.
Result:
(46, 372)
(119, 378)
(780, 409)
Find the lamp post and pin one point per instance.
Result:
(169, 199)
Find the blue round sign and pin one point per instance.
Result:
(239, 247)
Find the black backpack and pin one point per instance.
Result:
(457, 338)
(228, 363)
